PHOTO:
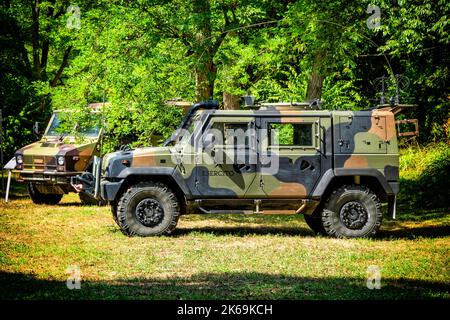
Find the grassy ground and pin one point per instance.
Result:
(227, 257)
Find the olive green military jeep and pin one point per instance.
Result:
(48, 164)
(334, 167)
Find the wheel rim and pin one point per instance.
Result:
(149, 212)
(354, 215)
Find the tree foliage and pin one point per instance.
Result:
(139, 54)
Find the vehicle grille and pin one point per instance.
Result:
(40, 162)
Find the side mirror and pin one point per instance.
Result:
(36, 128)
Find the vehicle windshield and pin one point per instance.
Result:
(185, 134)
(63, 125)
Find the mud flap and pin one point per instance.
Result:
(11, 165)
(96, 171)
(392, 206)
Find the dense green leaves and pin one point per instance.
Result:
(137, 55)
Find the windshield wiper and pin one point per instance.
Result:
(63, 135)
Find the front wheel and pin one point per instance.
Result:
(351, 211)
(42, 198)
(148, 209)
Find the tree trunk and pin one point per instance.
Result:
(205, 74)
(205, 69)
(231, 101)
(35, 40)
(315, 81)
(315, 84)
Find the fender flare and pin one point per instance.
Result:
(330, 174)
(171, 173)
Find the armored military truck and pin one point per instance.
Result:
(334, 167)
(47, 165)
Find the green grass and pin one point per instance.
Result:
(208, 257)
(232, 256)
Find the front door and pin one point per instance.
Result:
(226, 165)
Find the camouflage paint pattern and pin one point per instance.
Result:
(40, 160)
(364, 140)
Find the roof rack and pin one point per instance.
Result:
(306, 105)
(394, 108)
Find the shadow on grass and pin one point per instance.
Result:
(241, 231)
(17, 191)
(415, 232)
(243, 285)
(72, 204)
(384, 234)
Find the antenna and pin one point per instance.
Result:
(396, 85)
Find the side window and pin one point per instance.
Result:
(231, 134)
(291, 134)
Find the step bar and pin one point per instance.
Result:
(304, 206)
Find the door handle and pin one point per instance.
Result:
(304, 165)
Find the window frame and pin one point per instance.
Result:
(270, 146)
(247, 119)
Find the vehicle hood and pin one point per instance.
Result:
(55, 147)
(116, 162)
(42, 154)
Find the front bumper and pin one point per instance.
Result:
(43, 176)
(109, 189)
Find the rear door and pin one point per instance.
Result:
(290, 157)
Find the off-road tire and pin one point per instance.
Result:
(314, 222)
(131, 210)
(87, 200)
(351, 211)
(42, 198)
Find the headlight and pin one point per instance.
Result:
(19, 159)
(60, 161)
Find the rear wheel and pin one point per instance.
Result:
(42, 198)
(148, 209)
(351, 211)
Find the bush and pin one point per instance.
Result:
(424, 177)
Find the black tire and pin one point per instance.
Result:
(148, 209)
(314, 222)
(42, 198)
(87, 200)
(352, 211)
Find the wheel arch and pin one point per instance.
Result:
(371, 178)
(167, 179)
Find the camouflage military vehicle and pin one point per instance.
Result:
(334, 167)
(48, 164)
